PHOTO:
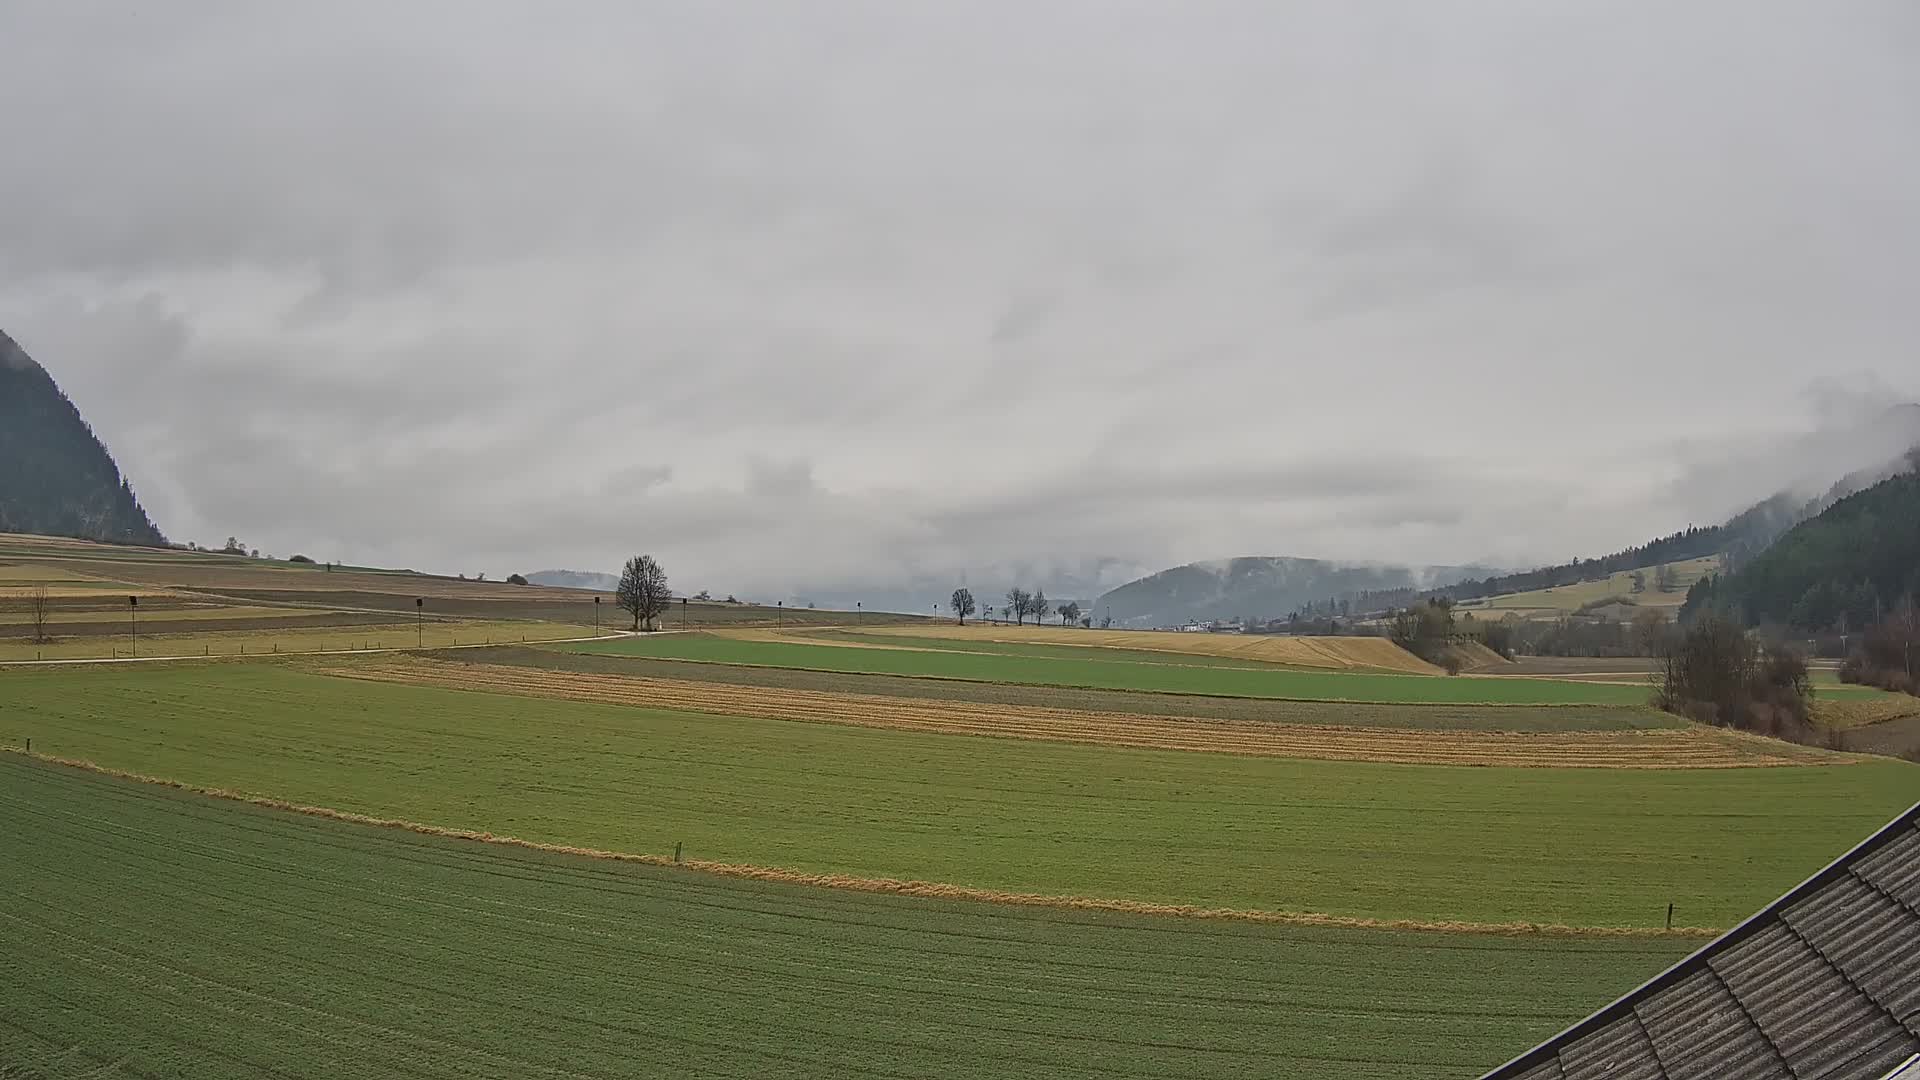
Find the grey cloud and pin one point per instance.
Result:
(842, 294)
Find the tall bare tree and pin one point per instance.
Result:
(38, 611)
(1019, 601)
(643, 591)
(962, 603)
(1069, 612)
(1037, 606)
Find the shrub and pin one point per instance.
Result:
(298, 558)
(516, 579)
(1716, 674)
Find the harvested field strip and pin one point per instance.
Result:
(156, 932)
(1373, 841)
(1687, 748)
(1337, 653)
(1421, 716)
(1864, 711)
(1274, 682)
(845, 636)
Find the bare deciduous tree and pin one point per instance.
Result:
(1018, 602)
(1069, 612)
(1037, 606)
(962, 603)
(643, 591)
(38, 610)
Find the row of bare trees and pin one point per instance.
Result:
(1020, 604)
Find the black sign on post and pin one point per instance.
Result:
(596, 616)
(419, 621)
(133, 613)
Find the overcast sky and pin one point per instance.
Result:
(803, 293)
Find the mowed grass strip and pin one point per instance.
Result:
(1422, 716)
(154, 932)
(1683, 748)
(1089, 672)
(1580, 847)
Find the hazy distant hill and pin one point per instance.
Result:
(1256, 587)
(57, 478)
(574, 579)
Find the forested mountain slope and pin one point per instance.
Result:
(1857, 560)
(56, 477)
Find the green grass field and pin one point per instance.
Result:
(151, 932)
(1162, 677)
(1332, 713)
(1588, 847)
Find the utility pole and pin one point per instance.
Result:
(419, 621)
(133, 613)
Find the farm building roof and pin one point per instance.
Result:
(1824, 984)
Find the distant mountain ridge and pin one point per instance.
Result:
(58, 479)
(1258, 587)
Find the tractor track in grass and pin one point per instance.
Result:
(1664, 748)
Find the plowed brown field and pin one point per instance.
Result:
(1674, 748)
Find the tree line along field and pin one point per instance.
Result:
(154, 932)
(1582, 847)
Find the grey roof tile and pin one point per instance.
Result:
(1617, 1052)
(1799, 1001)
(1700, 1031)
(1895, 868)
(1873, 939)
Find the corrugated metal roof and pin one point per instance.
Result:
(1824, 984)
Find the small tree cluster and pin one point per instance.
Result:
(516, 579)
(1716, 673)
(1424, 629)
(1886, 656)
